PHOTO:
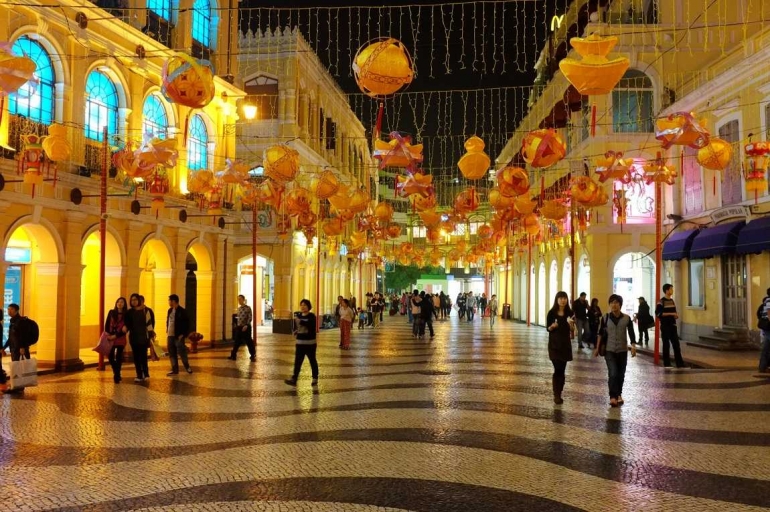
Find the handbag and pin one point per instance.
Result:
(23, 373)
(157, 350)
(104, 347)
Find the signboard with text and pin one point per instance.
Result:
(729, 213)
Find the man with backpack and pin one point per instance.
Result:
(763, 324)
(22, 333)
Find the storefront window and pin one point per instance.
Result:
(697, 296)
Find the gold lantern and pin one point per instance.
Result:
(658, 172)
(188, 81)
(307, 219)
(281, 163)
(298, 201)
(595, 74)
(525, 204)
(341, 200)
(531, 224)
(500, 201)
(466, 201)
(383, 211)
(681, 128)
(398, 152)
(584, 189)
(406, 248)
(433, 235)
(474, 164)
(56, 145)
(512, 181)
(325, 185)
(612, 166)
(422, 204)
(383, 67)
(393, 230)
(553, 209)
(430, 217)
(416, 183)
(14, 73)
(359, 201)
(358, 239)
(543, 148)
(333, 226)
(756, 152)
(453, 256)
(200, 182)
(485, 231)
(716, 154)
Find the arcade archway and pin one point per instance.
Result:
(633, 276)
(542, 309)
(90, 253)
(155, 279)
(199, 288)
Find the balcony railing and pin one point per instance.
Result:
(18, 126)
(118, 8)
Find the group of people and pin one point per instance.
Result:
(611, 334)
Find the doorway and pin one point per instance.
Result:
(634, 277)
(734, 290)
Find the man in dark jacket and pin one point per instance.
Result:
(15, 340)
(177, 328)
(580, 308)
(426, 312)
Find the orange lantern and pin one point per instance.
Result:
(358, 239)
(525, 204)
(658, 172)
(584, 189)
(430, 217)
(433, 235)
(756, 152)
(214, 198)
(466, 201)
(484, 231)
(595, 74)
(56, 145)
(341, 200)
(126, 160)
(309, 233)
(359, 201)
(325, 185)
(435, 257)
(531, 224)
(383, 211)
(157, 189)
(307, 219)
(543, 148)
(270, 193)
(383, 67)
(298, 201)
(612, 166)
(31, 161)
(403, 259)
(281, 163)
(14, 73)
(422, 204)
(553, 210)
(406, 248)
(200, 181)
(393, 230)
(500, 201)
(333, 226)
(681, 128)
(716, 154)
(188, 81)
(453, 256)
(512, 181)
(234, 173)
(474, 164)
(398, 152)
(416, 183)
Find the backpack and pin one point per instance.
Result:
(29, 332)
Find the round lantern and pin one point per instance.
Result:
(716, 154)
(383, 67)
(333, 226)
(756, 152)
(583, 189)
(512, 181)
(433, 235)
(188, 81)
(307, 219)
(500, 201)
(453, 256)
(358, 239)
(531, 224)
(298, 201)
(543, 148)
(407, 248)
(466, 201)
(525, 205)
(359, 201)
(56, 145)
(341, 200)
(383, 211)
(430, 217)
(595, 74)
(681, 128)
(394, 230)
(200, 181)
(435, 257)
(474, 164)
(484, 231)
(281, 163)
(422, 204)
(270, 193)
(553, 210)
(325, 185)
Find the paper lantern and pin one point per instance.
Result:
(157, 189)
(543, 148)
(307, 219)
(466, 201)
(412, 184)
(430, 217)
(234, 173)
(435, 257)
(383, 211)
(531, 224)
(281, 163)
(14, 73)
(462, 246)
(399, 152)
(553, 210)
(406, 248)
(422, 204)
(583, 189)
(359, 201)
(214, 198)
(200, 181)
(484, 231)
(333, 226)
(188, 81)
(512, 181)
(612, 166)
(358, 239)
(756, 181)
(525, 205)
(716, 154)
(309, 233)
(31, 160)
(499, 201)
(393, 230)
(474, 164)
(594, 74)
(56, 145)
(325, 185)
(270, 193)
(298, 201)
(383, 67)
(127, 161)
(453, 256)
(433, 235)
(341, 200)
(658, 172)
(681, 128)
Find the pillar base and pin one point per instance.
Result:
(66, 366)
(283, 325)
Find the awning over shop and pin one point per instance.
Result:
(677, 245)
(755, 237)
(717, 240)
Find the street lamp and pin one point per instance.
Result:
(249, 111)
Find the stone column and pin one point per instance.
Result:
(304, 105)
(68, 276)
(134, 237)
(206, 307)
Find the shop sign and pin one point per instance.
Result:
(247, 270)
(730, 213)
(18, 255)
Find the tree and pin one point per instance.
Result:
(405, 277)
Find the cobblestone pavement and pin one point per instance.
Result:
(463, 422)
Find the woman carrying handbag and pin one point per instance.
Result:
(115, 328)
(559, 325)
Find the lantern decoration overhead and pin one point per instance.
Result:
(612, 166)
(466, 201)
(512, 181)
(359, 201)
(341, 200)
(188, 81)
(403, 259)
(249, 194)
(234, 173)
(474, 164)
(32, 161)
(500, 201)
(358, 239)
(56, 145)
(586, 192)
(525, 204)
(435, 257)
(681, 128)
(595, 74)
(406, 248)
(154, 152)
(657, 171)
(715, 155)
(485, 231)
(543, 148)
(412, 184)
(756, 181)
(298, 201)
(430, 217)
(307, 219)
(200, 181)
(433, 235)
(553, 209)
(126, 161)
(531, 224)
(421, 203)
(383, 67)
(157, 189)
(270, 193)
(383, 211)
(214, 198)
(14, 72)
(283, 226)
(281, 163)
(453, 256)
(399, 152)
(393, 230)
(325, 185)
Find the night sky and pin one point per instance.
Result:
(491, 52)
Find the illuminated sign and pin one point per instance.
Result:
(556, 22)
(18, 255)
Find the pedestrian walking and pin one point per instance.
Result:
(644, 321)
(115, 327)
(614, 332)
(361, 318)
(763, 323)
(139, 325)
(346, 323)
(243, 331)
(559, 326)
(492, 305)
(306, 345)
(594, 319)
(665, 310)
(580, 309)
(483, 304)
(20, 338)
(461, 302)
(416, 308)
(177, 330)
(426, 311)
(470, 306)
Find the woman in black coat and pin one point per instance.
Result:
(594, 318)
(644, 320)
(559, 326)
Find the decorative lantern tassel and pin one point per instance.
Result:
(378, 124)
(186, 126)
(542, 187)
(593, 120)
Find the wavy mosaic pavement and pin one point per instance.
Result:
(463, 422)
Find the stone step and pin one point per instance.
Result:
(732, 334)
(718, 343)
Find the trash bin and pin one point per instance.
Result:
(506, 311)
